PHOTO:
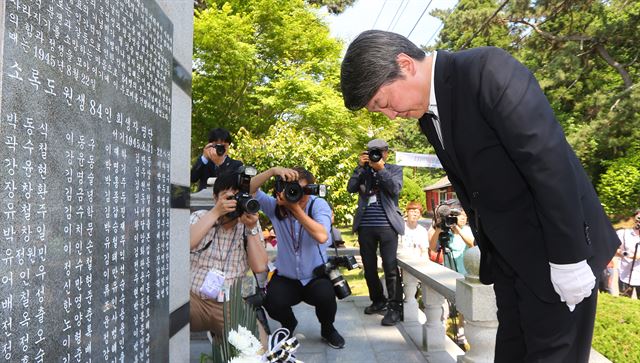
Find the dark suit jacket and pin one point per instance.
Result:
(390, 183)
(200, 172)
(526, 194)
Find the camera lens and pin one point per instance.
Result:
(340, 285)
(375, 155)
(251, 206)
(220, 149)
(293, 192)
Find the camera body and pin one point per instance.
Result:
(220, 149)
(330, 269)
(447, 217)
(293, 191)
(245, 201)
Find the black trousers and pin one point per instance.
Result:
(283, 293)
(532, 330)
(386, 237)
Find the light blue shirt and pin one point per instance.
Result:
(298, 252)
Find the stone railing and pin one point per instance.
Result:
(473, 299)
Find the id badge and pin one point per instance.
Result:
(213, 284)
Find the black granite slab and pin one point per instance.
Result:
(85, 109)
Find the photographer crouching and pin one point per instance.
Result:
(219, 253)
(302, 223)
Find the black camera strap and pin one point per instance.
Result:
(330, 232)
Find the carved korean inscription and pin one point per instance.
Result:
(85, 109)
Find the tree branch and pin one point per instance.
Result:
(613, 63)
(597, 46)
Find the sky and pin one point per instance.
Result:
(363, 14)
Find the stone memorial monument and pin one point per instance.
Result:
(85, 180)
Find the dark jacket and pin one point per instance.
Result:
(526, 194)
(390, 184)
(200, 172)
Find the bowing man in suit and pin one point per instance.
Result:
(542, 232)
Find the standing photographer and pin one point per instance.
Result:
(218, 254)
(214, 159)
(378, 222)
(629, 269)
(302, 227)
(456, 239)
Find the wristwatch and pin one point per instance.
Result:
(254, 231)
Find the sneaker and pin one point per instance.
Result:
(391, 317)
(333, 339)
(376, 307)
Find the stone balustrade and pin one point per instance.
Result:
(473, 299)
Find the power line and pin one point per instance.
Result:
(416, 24)
(401, 13)
(380, 12)
(434, 33)
(396, 14)
(443, 22)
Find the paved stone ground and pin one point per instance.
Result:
(366, 340)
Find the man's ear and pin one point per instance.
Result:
(406, 63)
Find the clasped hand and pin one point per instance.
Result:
(574, 282)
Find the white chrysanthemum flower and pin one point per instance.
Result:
(241, 343)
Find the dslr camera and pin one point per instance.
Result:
(220, 149)
(330, 270)
(245, 202)
(293, 191)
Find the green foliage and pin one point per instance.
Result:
(619, 187)
(411, 191)
(617, 328)
(584, 55)
(328, 158)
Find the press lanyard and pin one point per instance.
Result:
(295, 241)
(228, 248)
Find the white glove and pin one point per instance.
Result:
(573, 282)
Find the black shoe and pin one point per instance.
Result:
(376, 307)
(333, 338)
(391, 317)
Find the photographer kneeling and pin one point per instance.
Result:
(302, 223)
(218, 252)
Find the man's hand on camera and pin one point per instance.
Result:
(250, 220)
(224, 205)
(209, 151)
(378, 165)
(285, 173)
(211, 154)
(363, 159)
(291, 206)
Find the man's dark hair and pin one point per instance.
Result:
(219, 134)
(304, 174)
(371, 62)
(226, 180)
